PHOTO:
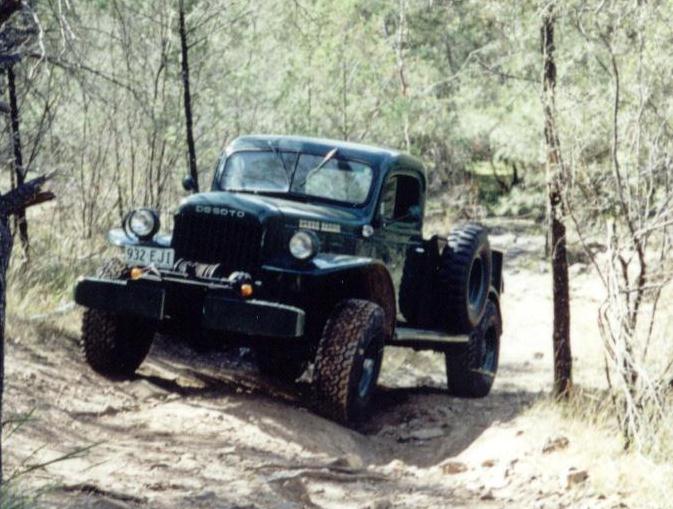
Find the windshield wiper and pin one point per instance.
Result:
(262, 192)
(277, 153)
(328, 157)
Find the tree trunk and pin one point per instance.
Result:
(19, 176)
(556, 184)
(5, 254)
(187, 98)
(27, 194)
(7, 9)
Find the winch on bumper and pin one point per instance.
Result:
(215, 306)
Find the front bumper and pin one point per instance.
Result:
(210, 306)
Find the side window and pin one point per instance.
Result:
(401, 199)
(387, 207)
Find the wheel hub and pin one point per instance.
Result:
(366, 377)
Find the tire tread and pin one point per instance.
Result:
(114, 345)
(463, 379)
(453, 277)
(336, 355)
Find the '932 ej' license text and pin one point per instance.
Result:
(145, 256)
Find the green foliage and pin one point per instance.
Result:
(455, 83)
(427, 79)
(523, 201)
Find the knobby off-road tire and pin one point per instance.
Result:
(348, 360)
(114, 345)
(281, 362)
(464, 278)
(471, 368)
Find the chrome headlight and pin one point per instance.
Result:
(142, 223)
(304, 245)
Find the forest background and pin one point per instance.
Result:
(456, 83)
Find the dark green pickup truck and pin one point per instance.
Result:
(310, 252)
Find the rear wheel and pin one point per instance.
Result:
(114, 345)
(349, 359)
(471, 368)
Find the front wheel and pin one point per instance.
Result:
(349, 359)
(115, 345)
(471, 368)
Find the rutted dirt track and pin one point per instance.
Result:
(205, 430)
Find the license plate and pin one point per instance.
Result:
(146, 256)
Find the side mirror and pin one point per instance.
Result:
(415, 214)
(188, 183)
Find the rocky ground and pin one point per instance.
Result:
(204, 430)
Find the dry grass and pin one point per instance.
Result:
(596, 445)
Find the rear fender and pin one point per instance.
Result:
(497, 282)
(496, 274)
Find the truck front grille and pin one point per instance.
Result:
(232, 242)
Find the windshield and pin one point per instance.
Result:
(296, 173)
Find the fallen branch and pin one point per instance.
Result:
(92, 489)
(334, 470)
(62, 310)
(326, 474)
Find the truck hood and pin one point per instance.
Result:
(264, 208)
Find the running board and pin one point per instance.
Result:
(425, 339)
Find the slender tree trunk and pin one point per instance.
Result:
(556, 184)
(21, 194)
(5, 254)
(188, 98)
(516, 179)
(19, 175)
(402, 71)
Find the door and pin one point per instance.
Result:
(400, 220)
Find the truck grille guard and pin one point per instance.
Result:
(199, 274)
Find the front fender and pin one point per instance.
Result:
(118, 237)
(331, 278)
(320, 265)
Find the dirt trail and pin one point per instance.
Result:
(205, 430)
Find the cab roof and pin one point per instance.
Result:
(379, 157)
